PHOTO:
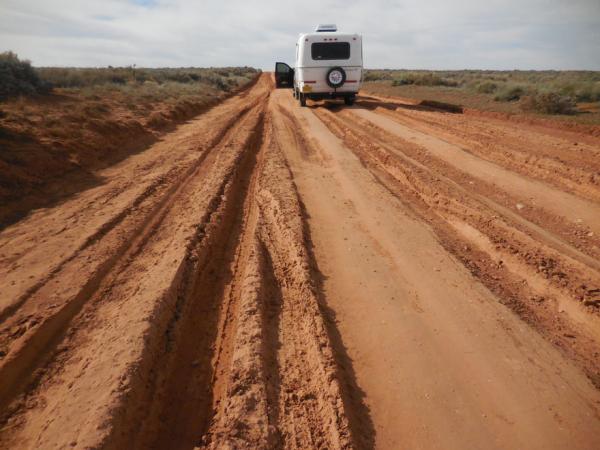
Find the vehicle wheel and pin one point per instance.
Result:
(349, 101)
(302, 98)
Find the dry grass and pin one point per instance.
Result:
(572, 95)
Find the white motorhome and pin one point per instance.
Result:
(329, 64)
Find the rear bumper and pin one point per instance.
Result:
(320, 91)
(319, 88)
(329, 95)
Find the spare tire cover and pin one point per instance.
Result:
(336, 77)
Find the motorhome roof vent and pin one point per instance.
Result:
(326, 28)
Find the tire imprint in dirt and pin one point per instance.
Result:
(518, 271)
(182, 391)
(152, 189)
(557, 160)
(93, 213)
(59, 322)
(41, 334)
(226, 345)
(573, 217)
(361, 425)
(295, 396)
(537, 222)
(165, 179)
(205, 323)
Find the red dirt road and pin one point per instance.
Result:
(270, 276)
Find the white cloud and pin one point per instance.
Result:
(438, 34)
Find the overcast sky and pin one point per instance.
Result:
(427, 34)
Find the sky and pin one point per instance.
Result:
(418, 34)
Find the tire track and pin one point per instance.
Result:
(566, 162)
(482, 191)
(537, 279)
(568, 209)
(28, 348)
(275, 381)
(51, 333)
(427, 340)
(182, 392)
(205, 330)
(192, 313)
(35, 250)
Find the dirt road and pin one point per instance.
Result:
(270, 276)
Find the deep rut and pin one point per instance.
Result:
(37, 331)
(532, 270)
(275, 380)
(442, 362)
(570, 164)
(202, 329)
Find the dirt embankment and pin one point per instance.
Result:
(52, 145)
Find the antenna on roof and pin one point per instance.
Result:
(326, 28)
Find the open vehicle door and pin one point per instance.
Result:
(284, 75)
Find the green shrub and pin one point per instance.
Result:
(549, 103)
(588, 92)
(423, 79)
(510, 94)
(377, 75)
(70, 77)
(487, 87)
(18, 77)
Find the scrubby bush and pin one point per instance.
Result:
(423, 79)
(549, 103)
(222, 73)
(377, 75)
(487, 87)
(400, 82)
(71, 77)
(18, 77)
(587, 92)
(242, 71)
(510, 94)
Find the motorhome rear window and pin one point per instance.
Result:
(330, 50)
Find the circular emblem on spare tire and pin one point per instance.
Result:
(336, 77)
